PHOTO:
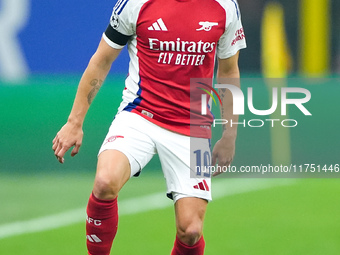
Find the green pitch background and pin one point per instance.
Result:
(301, 218)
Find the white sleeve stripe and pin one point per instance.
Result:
(112, 44)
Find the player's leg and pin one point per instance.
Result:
(125, 151)
(179, 156)
(113, 171)
(190, 213)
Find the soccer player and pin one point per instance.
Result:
(169, 42)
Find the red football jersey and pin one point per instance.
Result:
(170, 42)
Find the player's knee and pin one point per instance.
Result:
(190, 234)
(106, 187)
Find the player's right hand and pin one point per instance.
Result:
(68, 136)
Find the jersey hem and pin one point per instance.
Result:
(190, 131)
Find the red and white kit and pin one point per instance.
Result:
(169, 42)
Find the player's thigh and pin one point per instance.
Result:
(182, 159)
(113, 171)
(123, 154)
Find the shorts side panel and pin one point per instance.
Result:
(176, 153)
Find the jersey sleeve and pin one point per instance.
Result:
(122, 24)
(233, 39)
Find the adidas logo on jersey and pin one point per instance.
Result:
(202, 186)
(158, 26)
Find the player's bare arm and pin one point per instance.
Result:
(224, 150)
(71, 134)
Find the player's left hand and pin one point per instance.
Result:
(223, 153)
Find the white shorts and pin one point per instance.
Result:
(140, 139)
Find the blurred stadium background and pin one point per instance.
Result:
(44, 48)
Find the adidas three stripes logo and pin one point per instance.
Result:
(93, 239)
(202, 186)
(158, 26)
